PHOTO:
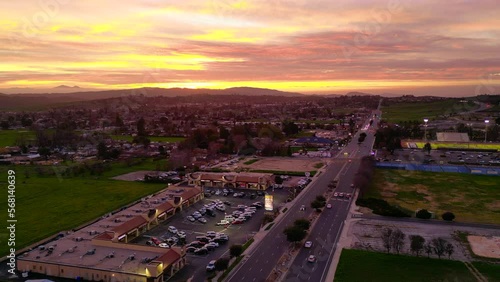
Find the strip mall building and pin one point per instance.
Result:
(256, 181)
(101, 251)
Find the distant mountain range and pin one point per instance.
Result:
(58, 89)
(75, 94)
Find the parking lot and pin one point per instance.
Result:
(442, 157)
(237, 233)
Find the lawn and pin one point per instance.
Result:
(437, 145)
(41, 200)
(251, 161)
(152, 138)
(357, 265)
(9, 137)
(490, 270)
(472, 198)
(418, 111)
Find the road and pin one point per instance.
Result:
(265, 256)
(326, 231)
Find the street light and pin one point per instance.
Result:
(425, 128)
(486, 129)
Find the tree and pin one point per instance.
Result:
(44, 151)
(448, 216)
(5, 125)
(278, 180)
(235, 250)
(317, 204)
(449, 249)
(294, 234)
(141, 127)
(320, 198)
(424, 214)
(398, 240)
(302, 223)
(387, 239)
(221, 264)
(102, 151)
(428, 249)
(427, 148)
(439, 246)
(161, 150)
(417, 244)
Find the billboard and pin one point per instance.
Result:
(268, 202)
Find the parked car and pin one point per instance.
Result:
(202, 220)
(164, 245)
(237, 221)
(223, 222)
(227, 203)
(172, 229)
(329, 206)
(211, 234)
(191, 249)
(196, 244)
(181, 234)
(190, 218)
(212, 243)
(203, 239)
(201, 251)
(308, 244)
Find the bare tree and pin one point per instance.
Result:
(417, 244)
(439, 246)
(398, 240)
(387, 239)
(449, 249)
(428, 249)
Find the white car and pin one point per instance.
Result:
(190, 218)
(211, 234)
(202, 220)
(308, 244)
(181, 234)
(164, 245)
(211, 266)
(223, 222)
(311, 258)
(172, 229)
(329, 206)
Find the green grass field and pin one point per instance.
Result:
(472, 198)
(152, 138)
(437, 145)
(358, 265)
(490, 270)
(46, 205)
(419, 111)
(9, 137)
(251, 161)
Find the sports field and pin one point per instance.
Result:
(451, 145)
(418, 111)
(46, 205)
(358, 265)
(472, 198)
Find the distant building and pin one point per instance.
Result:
(314, 141)
(257, 181)
(452, 137)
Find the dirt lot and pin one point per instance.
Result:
(285, 164)
(485, 246)
(366, 234)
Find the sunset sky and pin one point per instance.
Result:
(317, 46)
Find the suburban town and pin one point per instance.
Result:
(249, 141)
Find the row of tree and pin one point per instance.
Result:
(298, 231)
(394, 239)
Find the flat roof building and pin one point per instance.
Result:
(101, 250)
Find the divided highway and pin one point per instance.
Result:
(266, 254)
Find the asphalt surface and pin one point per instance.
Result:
(326, 231)
(261, 262)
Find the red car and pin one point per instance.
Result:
(156, 240)
(238, 221)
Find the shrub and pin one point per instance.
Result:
(424, 214)
(235, 250)
(221, 264)
(381, 207)
(448, 216)
(302, 223)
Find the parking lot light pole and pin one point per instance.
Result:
(425, 129)
(486, 129)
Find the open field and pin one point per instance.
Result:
(152, 138)
(472, 198)
(9, 137)
(490, 270)
(46, 205)
(419, 111)
(358, 265)
(284, 164)
(452, 145)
